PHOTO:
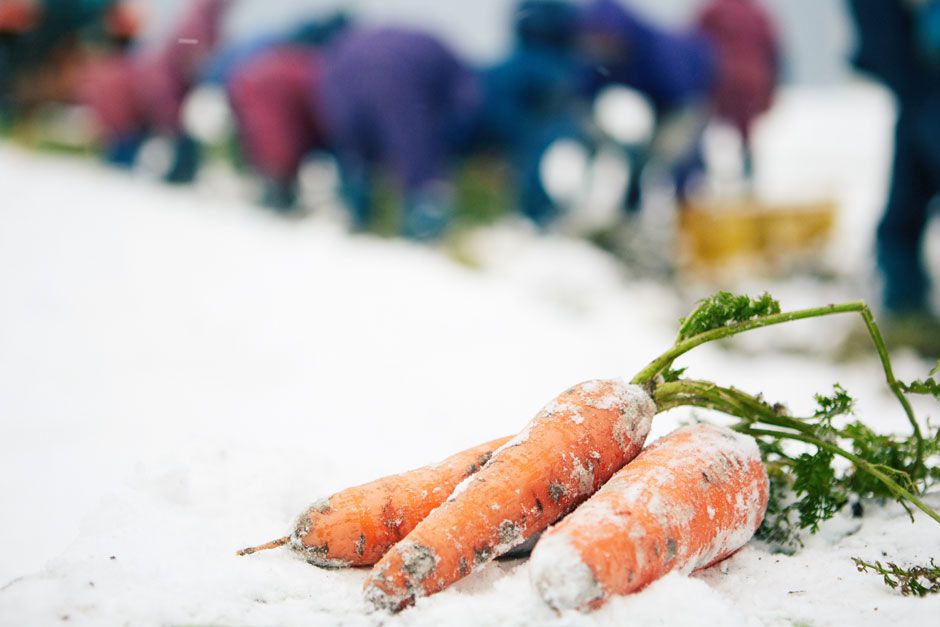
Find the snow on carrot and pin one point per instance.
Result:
(689, 500)
(356, 526)
(564, 455)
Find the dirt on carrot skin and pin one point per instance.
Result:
(689, 500)
(572, 446)
(356, 526)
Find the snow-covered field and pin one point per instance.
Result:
(181, 375)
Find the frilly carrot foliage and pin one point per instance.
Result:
(725, 308)
(926, 387)
(918, 581)
(807, 487)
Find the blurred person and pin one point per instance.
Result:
(106, 85)
(60, 21)
(674, 70)
(391, 100)
(313, 32)
(17, 17)
(166, 73)
(41, 61)
(748, 61)
(530, 99)
(895, 46)
(270, 81)
(136, 93)
(272, 98)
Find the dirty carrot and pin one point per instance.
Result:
(356, 526)
(571, 448)
(689, 500)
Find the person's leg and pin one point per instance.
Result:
(356, 189)
(6, 75)
(350, 132)
(637, 156)
(747, 151)
(279, 194)
(681, 144)
(186, 160)
(414, 147)
(900, 232)
(687, 173)
(428, 212)
(535, 203)
(121, 151)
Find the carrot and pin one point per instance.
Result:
(691, 499)
(567, 452)
(356, 526)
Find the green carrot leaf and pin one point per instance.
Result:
(673, 374)
(723, 309)
(839, 404)
(918, 580)
(819, 493)
(926, 387)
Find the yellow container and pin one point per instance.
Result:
(746, 237)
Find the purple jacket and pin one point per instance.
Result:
(744, 37)
(670, 68)
(393, 96)
(271, 97)
(167, 73)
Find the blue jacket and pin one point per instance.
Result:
(887, 49)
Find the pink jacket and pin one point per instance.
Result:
(165, 75)
(271, 97)
(748, 57)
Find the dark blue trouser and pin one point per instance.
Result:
(915, 180)
(122, 151)
(186, 161)
(534, 201)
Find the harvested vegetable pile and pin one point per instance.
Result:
(684, 503)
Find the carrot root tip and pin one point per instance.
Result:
(561, 577)
(264, 547)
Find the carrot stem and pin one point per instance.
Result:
(264, 547)
(727, 400)
(664, 361)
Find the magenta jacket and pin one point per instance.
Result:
(748, 59)
(272, 98)
(167, 73)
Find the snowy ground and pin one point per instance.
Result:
(181, 375)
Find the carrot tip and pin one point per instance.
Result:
(264, 547)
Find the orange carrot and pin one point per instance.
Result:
(691, 499)
(356, 526)
(567, 451)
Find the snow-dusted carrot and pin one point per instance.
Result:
(356, 526)
(564, 455)
(689, 500)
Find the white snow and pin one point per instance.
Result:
(182, 375)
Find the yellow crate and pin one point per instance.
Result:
(748, 237)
